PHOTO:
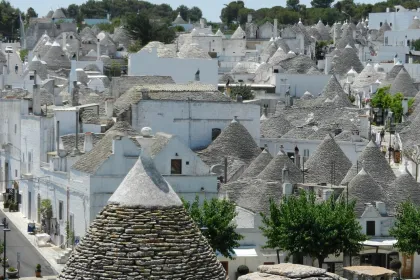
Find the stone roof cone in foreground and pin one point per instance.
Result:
(143, 233)
(403, 83)
(347, 59)
(333, 88)
(258, 164)
(374, 162)
(327, 163)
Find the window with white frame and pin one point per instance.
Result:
(60, 210)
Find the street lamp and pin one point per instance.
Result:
(390, 127)
(5, 226)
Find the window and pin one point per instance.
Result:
(31, 77)
(215, 132)
(60, 209)
(176, 166)
(15, 172)
(380, 24)
(187, 163)
(15, 128)
(370, 228)
(276, 70)
(268, 263)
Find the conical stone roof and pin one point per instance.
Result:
(277, 57)
(313, 71)
(275, 127)
(268, 51)
(234, 142)
(333, 88)
(374, 162)
(395, 70)
(415, 24)
(328, 164)
(179, 20)
(367, 77)
(323, 31)
(145, 233)
(257, 165)
(346, 39)
(385, 27)
(58, 14)
(56, 58)
(238, 34)
(403, 188)
(281, 43)
(347, 59)
(39, 66)
(403, 83)
(273, 171)
(363, 189)
(219, 33)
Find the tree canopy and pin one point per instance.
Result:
(407, 228)
(385, 100)
(217, 217)
(301, 225)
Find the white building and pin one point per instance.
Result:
(182, 70)
(399, 20)
(185, 110)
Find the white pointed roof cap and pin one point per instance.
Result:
(272, 39)
(144, 186)
(351, 71)
(378, 82)
(48, 43)
(348, 47)
(55, 44)
(300, 21)
(35, 58)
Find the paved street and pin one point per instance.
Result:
(29, 256)
(13, 60)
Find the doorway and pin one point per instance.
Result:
(39, 208)
(29, 205)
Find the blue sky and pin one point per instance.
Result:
(211, 8)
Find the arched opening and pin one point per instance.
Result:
(215, 132)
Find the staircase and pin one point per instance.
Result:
(63, 256)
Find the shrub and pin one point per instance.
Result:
(395, 264)
(6, 204)
(38, 268)
(242, 90)
(11, 269)
(243, 269)
(23, 53)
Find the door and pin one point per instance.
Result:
(407, 266)
(39, 208)
(29, 206)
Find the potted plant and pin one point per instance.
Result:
(242, 270)
(5, 263)
(38, 270)
(12, 272)
(6, 205)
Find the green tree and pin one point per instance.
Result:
(301, 225)
(73, 11)
(141, 28)
(195, 14)
(416, 44)
(321, 3)
(385, 100)
(242, 90)
(407, 228)
(231, 12)
(217, 216)
(134, 47)
(30, 13)
(292, 4)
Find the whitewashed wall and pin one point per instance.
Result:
(400, 21)
(181, 70)
(300, 83)
(209, 43)
(193, 121)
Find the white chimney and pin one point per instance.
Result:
(326, 194)
(275, 28)
(387, 10)
(381, 207)
(405, 105)
(109, 107)
(36, 99)
(64, 41)
(249, 18)
(410, 59)
(202, 22)
(4, 77)
(98, 50)
(88, 145)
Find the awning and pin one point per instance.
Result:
(245, 251)
(239, 252)
(380, 242)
